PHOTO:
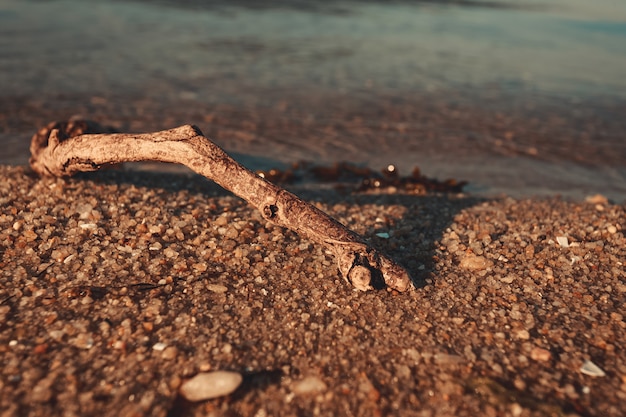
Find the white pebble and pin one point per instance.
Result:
(591, 369)
(562, 241)
(309, 385)
(159, 346)
(383, 235)
(207, 385)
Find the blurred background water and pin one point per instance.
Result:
(523, 97)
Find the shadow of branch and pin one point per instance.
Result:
(407, 227)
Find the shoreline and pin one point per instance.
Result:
(525, 149)
(118, 286)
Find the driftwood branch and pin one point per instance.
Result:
(64, 149)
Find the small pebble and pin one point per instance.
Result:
(170, 353)
(474, 262)
(522, 334)
(309, 385)
(562, 241)
(231, 233)
(444, 358)
(508, 279)
(540, 354)
(84, 210)
(597, 199)
(218, 288)
(516, 410)
(205, 386)
(30, 236)
(41, 392)
(170, 253)
(159, 346)
(83, 341)
(591, 369)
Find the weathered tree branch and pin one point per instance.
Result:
(63, 150)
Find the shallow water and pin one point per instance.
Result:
(518, 97)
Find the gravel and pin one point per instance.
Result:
(117, 287)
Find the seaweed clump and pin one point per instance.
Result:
(359, 179)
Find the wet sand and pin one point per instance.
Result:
(116, 287)
(499, 143)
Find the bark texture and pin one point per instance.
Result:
(63, 149)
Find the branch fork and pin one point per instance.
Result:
(63, 149)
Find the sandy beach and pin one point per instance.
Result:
(117, 287)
